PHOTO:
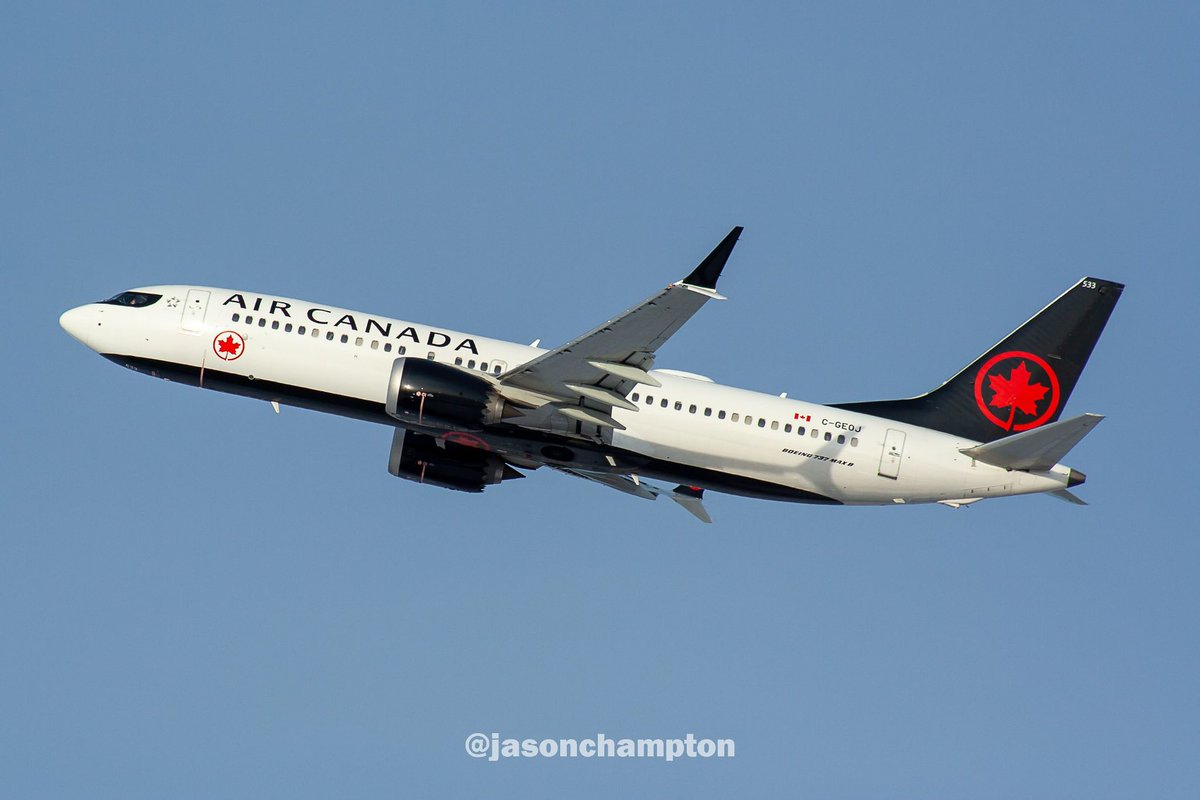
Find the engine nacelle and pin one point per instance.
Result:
(417, 457)
(427, 394)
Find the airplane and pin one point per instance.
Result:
(469, 412)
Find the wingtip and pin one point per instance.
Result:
(707, 272)
(691, 498)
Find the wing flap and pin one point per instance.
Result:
(602, 395)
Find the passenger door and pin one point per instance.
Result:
(194, 309)
(893, 453)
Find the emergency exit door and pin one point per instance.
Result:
(893, 453)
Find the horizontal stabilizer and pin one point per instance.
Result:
(1068, 496)
(1037, 449)
(959, 503)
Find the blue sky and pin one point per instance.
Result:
(199, 598)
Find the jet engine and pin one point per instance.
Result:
(426, 394)
(419, 457)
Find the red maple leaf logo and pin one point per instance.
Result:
(1016, 393)
(228, 345)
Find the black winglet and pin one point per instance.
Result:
(706, 273)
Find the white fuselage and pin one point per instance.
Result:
(341, 358)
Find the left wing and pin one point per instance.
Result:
(622, 483)
(690, 498)
(586, 378)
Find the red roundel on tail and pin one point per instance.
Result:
(1017, 390)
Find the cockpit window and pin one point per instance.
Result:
(133, 299)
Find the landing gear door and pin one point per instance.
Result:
(893, 452)
(193, 311)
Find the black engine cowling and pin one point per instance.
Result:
(427, 394)
(418, 457)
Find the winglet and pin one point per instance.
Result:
(691, 498)
(706, 273)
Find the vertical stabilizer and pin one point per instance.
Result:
(1021, 383)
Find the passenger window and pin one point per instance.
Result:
(691, 409)
(775, 425)
(663, 402)
(262, 322)
(678, 406)
(301, 330)
(316, 332)
(400, 350)
(471, 364)
(721, 414)
(708, 412)
(345, 338)
(287, 328)
(734, 417)
(458, 361)
(635, 397)
(787, 428)
(249, 320)
(800, 430)
(432, 356)
(358, 342)
(841, 439)
(236, 316)
(750, 420)
(854, 441)
(828, 436)
(274, 324)
(496, 369)
(329, 336)
(815, 433)
(387, 347)
(483, 366)
(374, 344)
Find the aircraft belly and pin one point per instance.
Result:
(340, 372)
(719, 454)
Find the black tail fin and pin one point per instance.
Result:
(1021, 383)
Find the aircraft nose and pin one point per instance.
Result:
(75, 323)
